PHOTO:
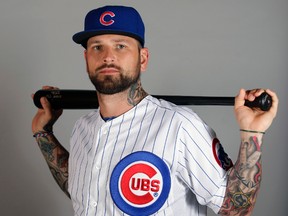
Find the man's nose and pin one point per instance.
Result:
(109, 56)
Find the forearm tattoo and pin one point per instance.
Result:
(136, 94)
(57, 159)
(244, 180)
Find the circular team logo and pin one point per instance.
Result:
(140, 183)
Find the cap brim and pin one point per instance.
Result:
(82, 37)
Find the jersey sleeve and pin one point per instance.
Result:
(202, 162)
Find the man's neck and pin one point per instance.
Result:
(119, 103)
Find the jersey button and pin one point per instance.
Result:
(94, 204)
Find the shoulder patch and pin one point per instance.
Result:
(140, 183)
(220, 155)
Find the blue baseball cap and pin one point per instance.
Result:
(120, 20)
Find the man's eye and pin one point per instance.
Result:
(120, 46)
(97, 47)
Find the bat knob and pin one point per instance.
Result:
(263, 102)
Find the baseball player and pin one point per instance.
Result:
(137, 155)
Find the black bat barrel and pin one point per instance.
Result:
(68, 99)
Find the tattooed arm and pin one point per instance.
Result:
(245, 176)
(54, 153)
(56, 157)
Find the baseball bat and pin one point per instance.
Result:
(87, 99)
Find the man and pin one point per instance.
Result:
(137, 155)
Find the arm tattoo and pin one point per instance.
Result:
(56, 157)
(244, 180)
(136, 94)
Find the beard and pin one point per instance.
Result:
(112, 84)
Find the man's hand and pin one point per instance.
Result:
(46, 117)
(254, 119)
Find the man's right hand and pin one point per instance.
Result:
(46, 117)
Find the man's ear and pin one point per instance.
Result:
(144, 57)
(85, 58)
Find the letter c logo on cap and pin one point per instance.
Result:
(109, 21)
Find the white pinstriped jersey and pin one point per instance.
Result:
(173, 133)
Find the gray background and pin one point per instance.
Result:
(207, 47)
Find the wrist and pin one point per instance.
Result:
(42, 134)
(252, 131)
(42, 130)
(247, 135)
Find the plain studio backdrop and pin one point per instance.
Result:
(197, 47)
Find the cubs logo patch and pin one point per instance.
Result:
(220, 155)
(140, 183)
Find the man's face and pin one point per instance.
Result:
(114, 62)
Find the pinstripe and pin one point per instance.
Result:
(141, 126)
(109, 167)
(82, 159)
(149, 128)
(161, 122)
(175, 144)
(197, 162)
(191, 188)
(200, 149)
(104, 147)
(86, 167)
(89, 184)
(131, 123)
(78, 182)
(198, 180)
(85, 171)
(168, 132)
(196, 128)
(78, 146)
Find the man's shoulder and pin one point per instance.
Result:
(182, 113)
(89, 117)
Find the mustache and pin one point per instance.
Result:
(108, 66)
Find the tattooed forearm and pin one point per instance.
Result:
(244, 180)
(57, 159)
